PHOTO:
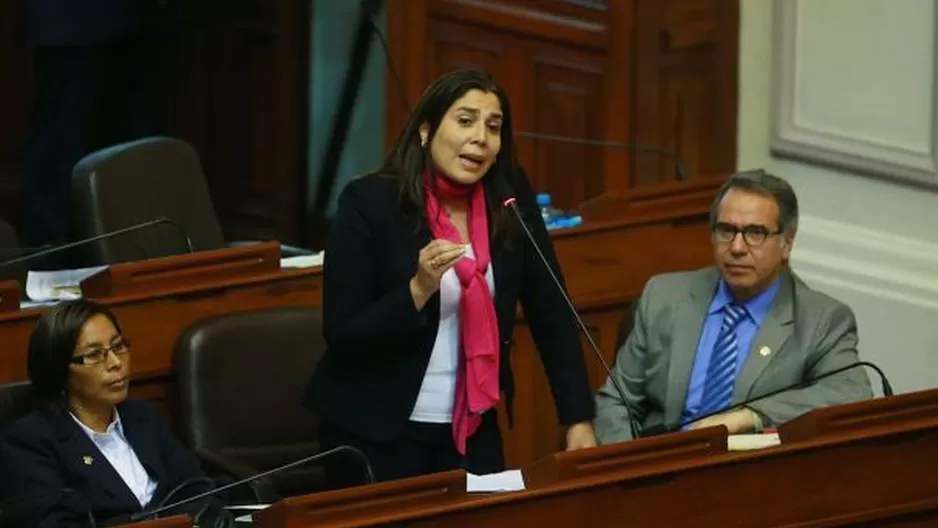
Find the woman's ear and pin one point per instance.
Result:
(424, 134)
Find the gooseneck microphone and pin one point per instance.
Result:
(369, 478)
(679, 169)
(887, 391)
(509, 201)
(102, 236)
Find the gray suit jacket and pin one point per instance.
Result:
(806, 332)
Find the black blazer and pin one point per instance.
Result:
(379, 345)
(45, 452)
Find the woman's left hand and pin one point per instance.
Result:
(580, 436)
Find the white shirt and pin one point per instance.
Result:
(115, 448)
(435, 400)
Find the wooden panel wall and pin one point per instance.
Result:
(233, 82)
(238, 90)
(659, 72)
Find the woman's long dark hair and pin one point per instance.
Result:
(408, 159)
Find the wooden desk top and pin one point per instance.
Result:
(873, 463)
(155, 319)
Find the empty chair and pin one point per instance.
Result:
(143, 180)
(240, 380)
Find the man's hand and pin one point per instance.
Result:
(580, 436)
(737, 422)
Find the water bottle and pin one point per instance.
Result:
(568, 220)
(550, 215)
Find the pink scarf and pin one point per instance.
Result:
(477, 375)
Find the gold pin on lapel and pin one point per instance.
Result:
(765, 351)
(87, 460)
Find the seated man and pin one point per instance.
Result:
(703, 341)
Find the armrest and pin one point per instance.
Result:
(262, 488)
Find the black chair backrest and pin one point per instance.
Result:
(240, 378)
(16, 400)
(139, 181)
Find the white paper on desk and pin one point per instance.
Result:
(246, 507)
(747, 442)
(58, 285)
(511, 480)
(303, 261)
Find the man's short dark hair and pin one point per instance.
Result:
(761, 182)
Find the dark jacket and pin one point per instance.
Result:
(46, 452)
(379, 345)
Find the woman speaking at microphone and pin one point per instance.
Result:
(424, 268)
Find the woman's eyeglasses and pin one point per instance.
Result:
(99, 354)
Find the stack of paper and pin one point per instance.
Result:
(303, 261)
(511, 480)
(58, 285)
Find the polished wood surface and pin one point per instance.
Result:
(176, 521)
(847, 474)
(183, 273)
(9, 296)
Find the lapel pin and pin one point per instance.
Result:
(87, 460)
(765, 351)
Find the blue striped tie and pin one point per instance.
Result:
(721, 373)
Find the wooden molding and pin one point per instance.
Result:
(793, 137)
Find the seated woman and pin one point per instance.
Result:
(88, 449)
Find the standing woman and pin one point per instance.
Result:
(423, 272)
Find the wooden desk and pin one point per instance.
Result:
(176, 521)
(154, 319)
(868, 464)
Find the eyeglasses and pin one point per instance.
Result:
(753, 235)
(99, 354)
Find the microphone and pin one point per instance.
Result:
(680, 170)
(887, 391)
(369, 477)
(509, 201)
(12, 509)
(102, 236)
